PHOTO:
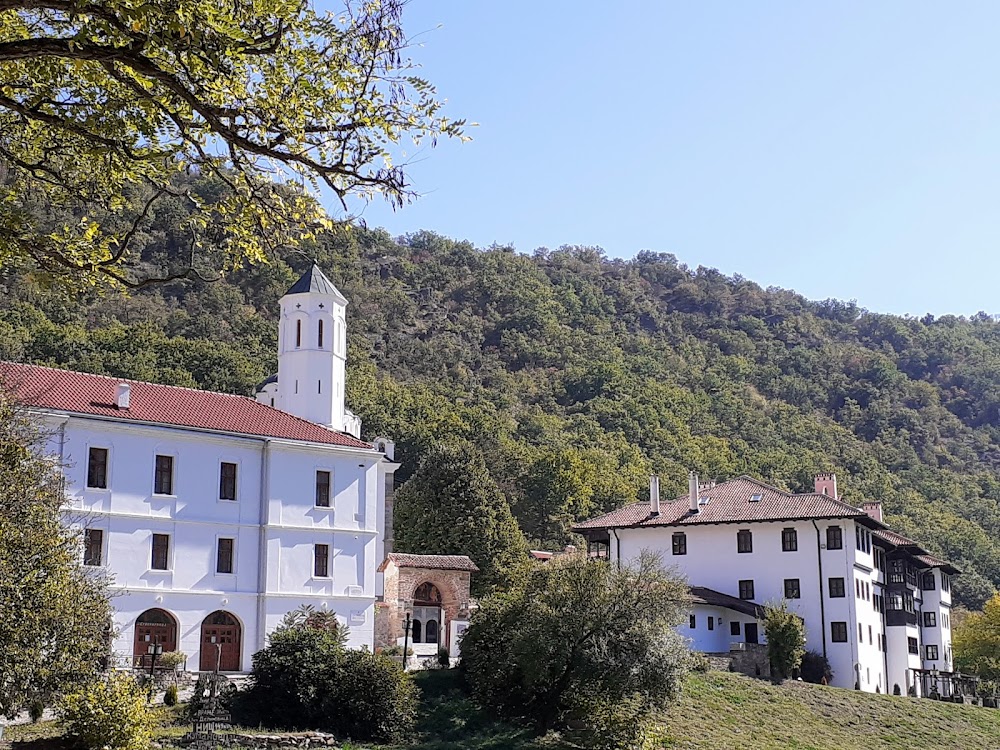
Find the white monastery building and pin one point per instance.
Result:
(215, 514)
(875, 603)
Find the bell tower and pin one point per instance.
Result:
(312, 351)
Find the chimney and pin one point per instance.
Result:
(654, 495)
(693, 491)
(873, 509)
(826, 484)
(124, 392)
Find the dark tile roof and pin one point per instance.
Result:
(728, 502)
(83, 393)
(434, 562)
(315, 281)
(713, 598)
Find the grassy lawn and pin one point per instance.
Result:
(717, 710)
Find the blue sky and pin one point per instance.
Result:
(847, 149)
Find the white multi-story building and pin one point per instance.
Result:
(873, 602)
(215, 514)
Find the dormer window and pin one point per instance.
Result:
(756, 497)
(703, 500)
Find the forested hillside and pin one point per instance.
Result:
(577, 375)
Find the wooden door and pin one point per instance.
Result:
(221, 639)
(154, 627)
(751, 631)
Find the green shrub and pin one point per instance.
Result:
(815, 667)
(896, 690)
(697, 662)
(307, 679)
(786, 639)
(580, 645)
(108, 713)
(444, 658)
(172, 659)
(35, 711)
(170, 696)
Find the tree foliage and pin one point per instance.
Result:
(55, 617)
(104, 103)
(785, 632)
(108, 712)
(976, 640)
(580, 643)
(306, 679)
(452, 506)
(576, 375)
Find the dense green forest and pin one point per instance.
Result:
(576, 374)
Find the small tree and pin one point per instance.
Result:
(786, 639)
(55, 615)
(109, 712)
(452, 506)
(580, 642)
(815, 668)
(976, 640)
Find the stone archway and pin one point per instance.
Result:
(427, 619)
(154, 627)
(221, 642)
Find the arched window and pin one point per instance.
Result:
(426, 593)
(298, 333)
(415, 631)
(320, 334)
(431, 634)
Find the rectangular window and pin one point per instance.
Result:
(911, 646)
(880, 559)
(319, 336)
(945, 582)
(164, 482)
(834, 537)
(837, 588)
(857, 537)
(97, 469)
(930, 619)
(322, 489)
(789, 540)
(931, 653)
(744, 541)
(227, 481)
(792, 590)
(93, 546)
(321, 560)
(679, 543)
(746, 589)
(734, 628)
(161, 552)
(224, 558)
(861, 633)
(692, 621)
(838, 632)
(927, 581)
(711, 623)
(869, 635)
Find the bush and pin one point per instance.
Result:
(896, 690)
(170, 696)
(396, 650)
(444, 658)
(580, 644)
(815, 667)
(306, 679)
(172, 659)
(35, 711)
(698, 662)
(786, 640)
(107, 713)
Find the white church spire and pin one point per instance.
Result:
(312, 353)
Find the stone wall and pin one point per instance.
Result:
(751, 661)
(399, 585)
(281, 741)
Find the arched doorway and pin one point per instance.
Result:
(426, 626)
(153, 627)
(222, 640)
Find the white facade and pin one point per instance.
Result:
(194, 522)
(832, 571)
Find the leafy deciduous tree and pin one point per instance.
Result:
(581, 642)
(104, 102)
(976, 640)
(786, 639)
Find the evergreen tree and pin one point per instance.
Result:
(452, 506)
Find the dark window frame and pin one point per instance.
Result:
(160, 552)
(321, 560)
(930, 619)
(227, 482)
(744, 541)
(789, 540)
(93, 547)
(678, 543)
(838, 591)
(163, 477)
(692, 621)
(711, 623)
(746, 589)
(838, 632)
(324, 479)
(97, 471)
(319, 334)
(793, 588)
(931, 652)
(912, 645)
(834, 537)
(734, 628)
(225, 558)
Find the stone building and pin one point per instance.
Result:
(434, 591)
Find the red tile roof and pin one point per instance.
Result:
(83, 393)
(729, 502)
(435, 562)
